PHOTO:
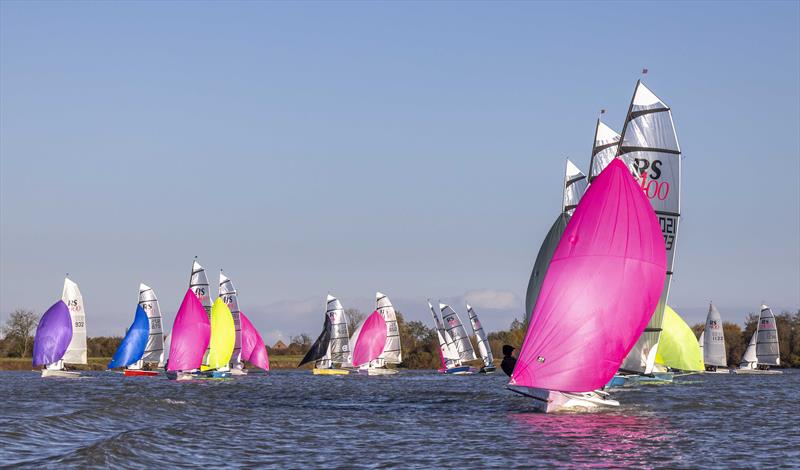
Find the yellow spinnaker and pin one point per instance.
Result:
(223, 336)
(678, 347)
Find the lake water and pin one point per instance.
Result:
(416, 419)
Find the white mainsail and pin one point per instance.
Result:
(449, 353)
(483, 341)
(767, 346)
(714, 339)
(456, 329)
(391, 351)
(339, 345)
(76, 351)
(575, 184)
(750, 359)
(604, 149)
(198, 283)
(154, 349)
(229, 295)
(650, 142)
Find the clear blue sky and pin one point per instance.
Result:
(414, 148)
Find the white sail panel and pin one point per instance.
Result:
(714, 339)
(604, 149)
(391, 351)
(76, 351)
(198, 283)
(575, 184)
(650, 142)
(450, 356)
(767, 346)
(229, 295)
(456, 330)
(750, 360)
(154, 349)
(339, 346)
(484, 348)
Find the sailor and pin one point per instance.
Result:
(509, 361)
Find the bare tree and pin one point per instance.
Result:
(354, 317)
(19, 329)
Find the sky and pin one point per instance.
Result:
(347, 147)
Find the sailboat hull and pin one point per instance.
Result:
(461, 370)
(61, 373)
(140, 373)
(316, 371)
(377, 371)
(238, 372)
(488, 370)
(550, 401)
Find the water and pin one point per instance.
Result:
(292, 419)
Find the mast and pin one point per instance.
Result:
(229, 295)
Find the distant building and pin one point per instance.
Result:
(280, 345)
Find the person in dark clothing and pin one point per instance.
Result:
(509, 361)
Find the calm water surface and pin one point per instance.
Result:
(291, 419)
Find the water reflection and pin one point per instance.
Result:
(596, 438)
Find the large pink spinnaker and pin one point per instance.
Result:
(190, 335)
(253, 349)
(600, 289)
(370, 339)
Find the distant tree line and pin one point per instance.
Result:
(419, 341)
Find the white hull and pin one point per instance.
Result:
(236, 372)
(65, 374)
(718, 371)
(756, 371)
(549, 401)
(377, 371)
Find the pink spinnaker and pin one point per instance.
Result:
(371, 339)
(253, 349)
(191, 333)
(600, 290)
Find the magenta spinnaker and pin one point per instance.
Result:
(191, 333)
(253, 349)
(600, 290)
(371, 340)
(52, 335)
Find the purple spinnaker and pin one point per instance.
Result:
(52, 335)
(600, 290)
(253, 349)
(191, 333)
(371, 339)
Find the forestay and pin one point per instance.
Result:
(154, 350)
(650, 143)
(455, 328)
(484, 348)
(76, 351)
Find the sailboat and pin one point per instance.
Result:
(53, 336)
(189, 339)
(678, 349)
(153, 352)
(461, 343)
(229, 295)
(220, 346)
(587, 317)
(451, 362)
(333, 344)
(76, 349)
(714, 355)
(484, 348)
(574, 186)
(198, 283)
(763, 350)
(649, 146)
(254, 350)
(392, 351)
(369, 343)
